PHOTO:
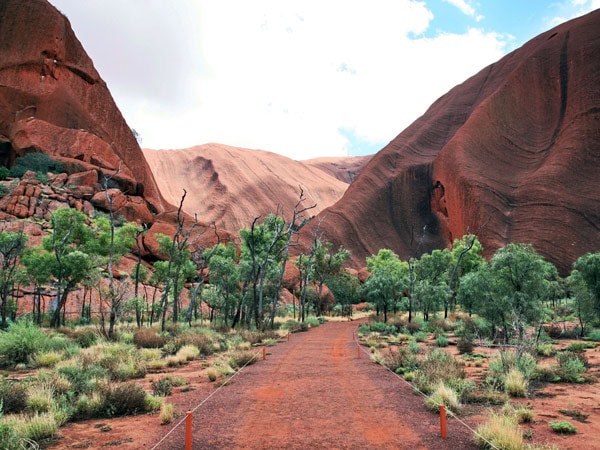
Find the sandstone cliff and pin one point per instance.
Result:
(517, 146)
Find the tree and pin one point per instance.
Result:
(69, 233)
(588, 266)
(263, 245)
(389, 278)
(513, 287)
(430, 296)
(224, 274)
(12, 245)
(346, 289)
(466, 258)
(584, 301)
(38, 265)
(326, 264)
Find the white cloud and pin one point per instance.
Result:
(466, 8)
(279, 76)
(570, 9)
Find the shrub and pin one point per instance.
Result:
(3, 190)
(21, 342)
(36, 428)
(515, 383)
(441, 340)
(312, 322)
(48, 359)
(241, 358)
(188, 352)
(148, 338)
(13, 396)
(501, 431)
(413, 327)
(89, 407)
(162, 387)
(9, 438)
(420, 336)
(4, 172)
(400, 360)
(580, 347)
(553, 330)
(443, 395)
(439, 365)
(85, 337)
(594, 335)
(123, 399)
(37, 162)
(413, 346)
(571, 366)
(563, 427)
(212, 373)
(546, 350)
(167, 413)
(40, 397)
(203, 341)
(465, 345)
(153, 403)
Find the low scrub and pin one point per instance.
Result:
(501, 431)
(167, 413)
(515, 383)
(443, 395)
(21, 342)
(124, 399)
(563, 427)
(148, 338)
(13, 396)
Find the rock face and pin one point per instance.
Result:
(344, 169)
(515, 149)
(231, 186)
(52, 100)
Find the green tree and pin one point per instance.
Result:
(69, 233)
(326, 264)
(225, 275)
(389, 278)
(38, 265)
(346, 289)
(12, 245)
(588, 266)
(583, 300)
(466, 258)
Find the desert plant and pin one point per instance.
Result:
(441, 340)
(563, 427)
(501, 432)
(241, 358)
(123, 399)
(545, 350)
(148, 338)
(212, 373)
(13, 396)
(36, 162)
(167, 412)
(89, 406)
(580, 347)
(515, 383)
(48, 359)
(400, 361)
(20, 342)
(163, 386)
(465, 345)
(188, 352)
(443, 395)
(40, 397)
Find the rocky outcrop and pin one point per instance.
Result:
(513, 153)
(230, 186)
(345, 169)
(52, 100)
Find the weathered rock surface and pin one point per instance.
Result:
(52, 100)
(231, 186)
(344, 169)
(515, 149)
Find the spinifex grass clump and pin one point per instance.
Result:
(21, 342)
(443, 395)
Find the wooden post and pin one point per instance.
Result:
(443, 421)
(264, 353)
(188, 430)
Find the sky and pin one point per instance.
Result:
(302, 78)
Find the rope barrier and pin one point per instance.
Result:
(418, 391)
(227, 380)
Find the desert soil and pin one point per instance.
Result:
(311, 392)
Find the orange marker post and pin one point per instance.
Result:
(188, 430)
(264, 353)
(443, 421)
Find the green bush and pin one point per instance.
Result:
(37, 162)
(9, 437)
(400, 360)
(3, 190)
(123, 399)
(241, 358)
(563, 427)
(20, 342)
(4, 172)
(571, 366)
(594, 335)
(465, 345)
(13, 396)
(162, 387)
(580, 347)
(441, 340)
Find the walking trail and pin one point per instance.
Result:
(313, 392)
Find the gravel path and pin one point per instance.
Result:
(314, 392)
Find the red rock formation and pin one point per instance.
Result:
(344, 169)
(231, 186)
(52, 100)
(516, 147)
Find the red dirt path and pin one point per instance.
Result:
(313, 392)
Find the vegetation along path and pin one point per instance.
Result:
(314, 392)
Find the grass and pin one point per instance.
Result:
(501, 431)
(443, 395)
(167, 413)
(515, 383)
